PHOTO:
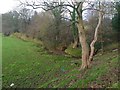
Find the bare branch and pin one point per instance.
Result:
(93, 9)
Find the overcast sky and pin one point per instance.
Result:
(7, 5)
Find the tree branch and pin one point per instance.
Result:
(93, 9)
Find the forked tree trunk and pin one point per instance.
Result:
(86, 57)
(84, 44)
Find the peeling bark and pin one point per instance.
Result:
(84, 45)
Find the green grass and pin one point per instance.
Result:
(28, 65)
(116, 85)
(75, 52)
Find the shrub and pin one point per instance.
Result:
(26, 38)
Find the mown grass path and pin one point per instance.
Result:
(28, 65)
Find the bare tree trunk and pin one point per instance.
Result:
(84, 44)
(86, 57)
(95, 37)
(75, 44)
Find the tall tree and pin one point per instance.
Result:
(74, 28)
(10, 22)
(25, 16)
(79, 8)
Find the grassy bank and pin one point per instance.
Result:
(28, 65)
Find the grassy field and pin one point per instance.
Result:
(28, 65)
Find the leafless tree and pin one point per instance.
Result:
(79, 8)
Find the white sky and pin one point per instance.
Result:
(7, 5)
